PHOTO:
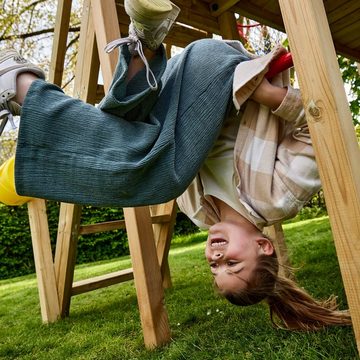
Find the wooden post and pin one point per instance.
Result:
(104, 13)
(147, 276)
(332, 133)
(49, 302)
(69, 217)
(60, 37)
(228, 27)
(87, 64)
(65, 255)
(46, 277)
(162, 234)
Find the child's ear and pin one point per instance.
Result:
(265, 246)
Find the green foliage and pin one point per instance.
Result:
(351, 77)
(315, 208)
(105, 324)
(357, 131)
(28, 26)
(16, 256)
(7, 145)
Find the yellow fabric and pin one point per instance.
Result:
(8, 195)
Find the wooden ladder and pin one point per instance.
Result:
(149, 229)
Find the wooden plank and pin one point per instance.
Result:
(331, 5)
(69, 217)
(83, 286)
(162, 235)
(228, 26)
(346, 23)
(65, 255)
(182, 36)
(100, 227)
(104, 14)
(343, 11)
(60, 41)
(118, 224)
(87, 64)
(147, 277)
(252, 11)
(49, 301)
(219, 7)
(333, 136)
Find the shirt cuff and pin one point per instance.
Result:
(291, 108)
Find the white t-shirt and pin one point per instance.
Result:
(217, 173)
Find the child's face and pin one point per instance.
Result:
(231, 252)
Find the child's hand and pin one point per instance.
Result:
(268, 94)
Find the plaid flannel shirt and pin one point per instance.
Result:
(274, 164)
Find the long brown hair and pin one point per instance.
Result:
(290, 307)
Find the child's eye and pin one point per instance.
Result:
(231, 263)
(213, 265)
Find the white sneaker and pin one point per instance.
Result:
(151, 20)
(11, 65)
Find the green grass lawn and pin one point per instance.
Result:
(104, 324)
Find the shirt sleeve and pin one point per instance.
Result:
(275, 159)
(291, 108)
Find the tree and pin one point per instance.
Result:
(28, 26)
(350, 72)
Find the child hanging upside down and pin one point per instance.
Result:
(205, 127)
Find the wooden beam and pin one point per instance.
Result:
(104, 13)
(147, 276)
(228, 26)
(218, 7)
(98, 282)
(88, 63)
(87, 69)
(60, 41)
(162, 235)
(48, 295)
(65, 255)
(332, 133)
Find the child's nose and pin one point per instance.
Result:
(218, 255)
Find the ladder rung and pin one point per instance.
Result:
(117, 224)
(159, 219)
(104, 226)
(98, 282)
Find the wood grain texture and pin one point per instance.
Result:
(147, 276)
(332, 133)
(48, 295)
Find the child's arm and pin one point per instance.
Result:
(268, 94)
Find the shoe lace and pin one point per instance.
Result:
(5, 116)
(133, 40)
(7, 108)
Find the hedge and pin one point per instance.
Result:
(16, 256)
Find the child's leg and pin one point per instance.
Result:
(127, 155)
(8, 195)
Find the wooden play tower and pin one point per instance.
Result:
(316, 28)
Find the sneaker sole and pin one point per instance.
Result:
(151, 11)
